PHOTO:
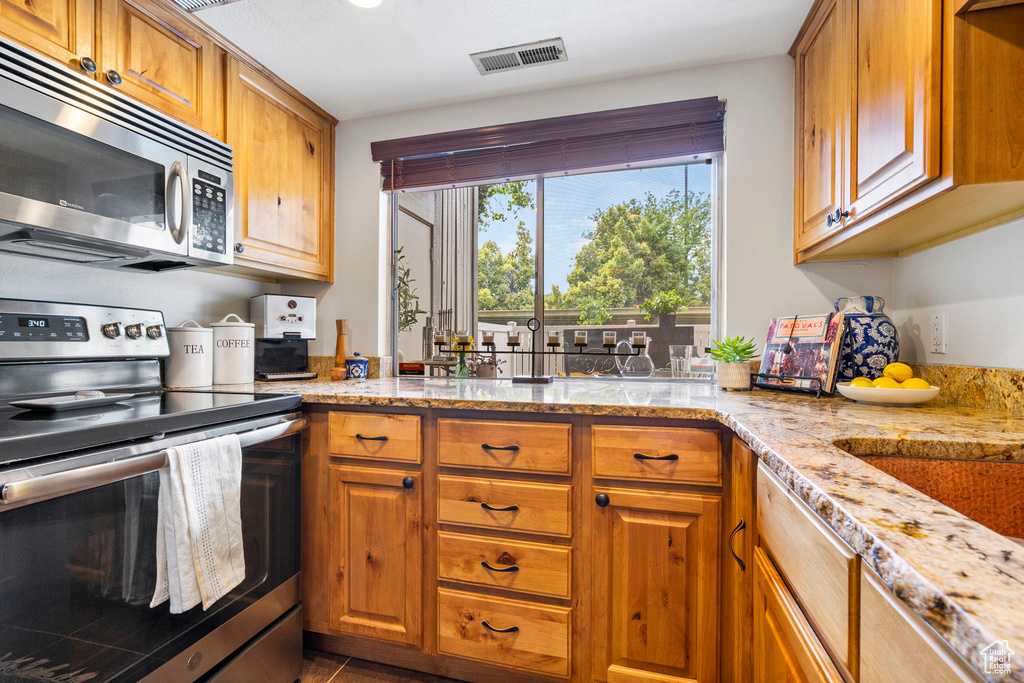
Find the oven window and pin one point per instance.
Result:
(48, 163)
(77, 574)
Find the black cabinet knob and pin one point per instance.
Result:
(836, 217)
(408, 482)
(114, 77)
(602, 500)
(88, 64)
(239, 248)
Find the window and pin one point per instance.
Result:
(611, 242)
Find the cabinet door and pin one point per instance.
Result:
(655, 587)
(283, 178)
(162, 61)
(821, 74)
(60, 29)
(894, 130)
(376, 553)
(785, 648)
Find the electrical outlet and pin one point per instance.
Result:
(939, 333)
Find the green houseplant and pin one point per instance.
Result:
(408, 300)
(664, 306)
(732, 366)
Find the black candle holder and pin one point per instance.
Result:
(534, 325)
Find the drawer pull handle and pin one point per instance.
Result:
(739, 527)
(487, 565)
(408, 482)
(489, 447)
(371, 438)
(644, 456)
(510, 629)
(507, 508)
(602, 500)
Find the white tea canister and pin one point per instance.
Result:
(233, 342)
(191, 361)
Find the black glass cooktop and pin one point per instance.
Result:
(26, 434)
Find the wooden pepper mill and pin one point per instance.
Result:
(339, 372)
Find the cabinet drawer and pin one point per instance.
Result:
(514, 506)
(690, 456)
(528, 446)
(818, 566)
(897, 645)
(536, 568)
(376, 436)
(524, 636)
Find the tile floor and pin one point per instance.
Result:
(323, 667)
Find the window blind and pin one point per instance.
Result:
(616, 137)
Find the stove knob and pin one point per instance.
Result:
(133, 331)
(111, 330)
(155, 331)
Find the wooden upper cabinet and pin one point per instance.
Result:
(894, 130)
(376, 537)
(821, 68)
(284, 178)
(60, 29)
(162, 62)
(655, 591)
(929, 102)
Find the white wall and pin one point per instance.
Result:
(181, 295)
(978, 282)
(760, 280)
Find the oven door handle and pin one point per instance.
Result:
(91, 476)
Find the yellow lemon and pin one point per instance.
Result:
(916, 383)
(886, 383)
(900, 372)
(860, 382)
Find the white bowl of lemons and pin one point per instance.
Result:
(896, 387)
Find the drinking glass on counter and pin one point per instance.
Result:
(691, 363)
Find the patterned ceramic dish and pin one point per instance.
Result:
(880, 396)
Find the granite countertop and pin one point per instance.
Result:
(964, 579)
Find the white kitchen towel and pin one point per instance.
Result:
(199, 553)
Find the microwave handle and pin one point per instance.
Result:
(184, 219)
(91, 476)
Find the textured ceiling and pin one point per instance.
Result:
(408, 54)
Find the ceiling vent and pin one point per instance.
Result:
(196, 5)
(518, 56)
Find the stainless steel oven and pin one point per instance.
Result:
(78, 507)
(78, 561)
(90, 176)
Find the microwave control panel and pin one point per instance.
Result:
(209, 217)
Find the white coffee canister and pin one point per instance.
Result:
(191, 361)
(233, 342)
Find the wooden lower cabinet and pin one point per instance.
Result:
(376, 546)
(655, 586)
(786, 650)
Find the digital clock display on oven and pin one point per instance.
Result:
(33, 322)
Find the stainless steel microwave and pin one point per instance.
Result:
(90, 176)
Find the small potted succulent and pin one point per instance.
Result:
(664, 307)
(732, 369)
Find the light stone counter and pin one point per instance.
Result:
(964, 579)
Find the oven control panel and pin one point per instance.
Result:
(40, 330)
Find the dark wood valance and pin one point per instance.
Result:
(617, 137)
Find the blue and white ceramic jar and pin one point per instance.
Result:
(356, 366)
(871, 341)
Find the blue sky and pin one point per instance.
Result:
(571, 200)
